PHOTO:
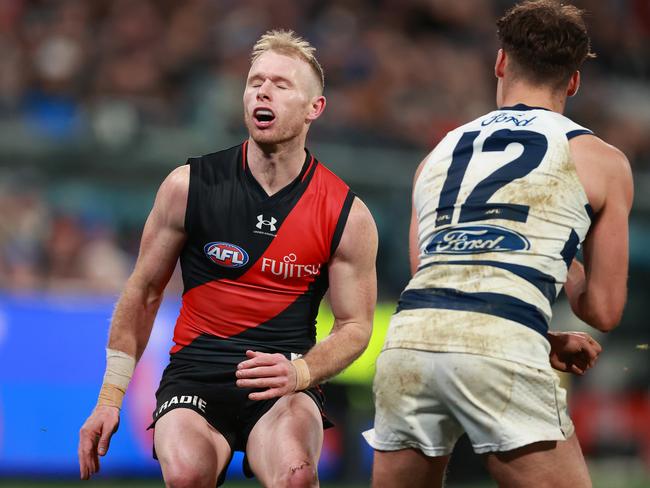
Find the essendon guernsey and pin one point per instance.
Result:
(255, 266)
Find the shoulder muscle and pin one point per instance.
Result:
(359, 239)
(603, 170)
(171, 200)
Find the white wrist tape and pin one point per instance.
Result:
(119, 370)
(303, 376)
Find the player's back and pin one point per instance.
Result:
(501, 213)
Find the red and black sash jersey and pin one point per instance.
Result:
(255, 266)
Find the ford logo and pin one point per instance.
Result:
(476, 239)
(226, 254)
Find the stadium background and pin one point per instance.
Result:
(100, 99)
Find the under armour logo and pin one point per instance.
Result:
(271, 223)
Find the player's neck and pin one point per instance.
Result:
(533, 96)
(274, 166)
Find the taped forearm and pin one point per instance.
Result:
(119, 370)
(303, 375)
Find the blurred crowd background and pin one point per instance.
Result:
(100, 99)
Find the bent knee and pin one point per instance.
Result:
(181, 475)
(299, 474)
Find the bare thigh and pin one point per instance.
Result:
(284, 446)
(407, 467)
(191, 452)
(553, 464)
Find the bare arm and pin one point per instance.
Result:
(162, 240)
(414, 244)
(353, 295)
(597, 291)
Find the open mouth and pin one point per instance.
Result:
(263, 117)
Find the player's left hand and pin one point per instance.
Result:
(263, 370)
(573, 352)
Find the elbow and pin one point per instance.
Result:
(362, 339)
(152, 293)
(145, 291)
(605, 319)
(602, 311)
(606, 324)
(154, 297)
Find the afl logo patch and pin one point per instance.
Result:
(226, 254)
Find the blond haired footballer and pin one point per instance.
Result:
(262, 231)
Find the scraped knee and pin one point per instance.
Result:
(301, 474)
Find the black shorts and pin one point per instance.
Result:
(210, 390)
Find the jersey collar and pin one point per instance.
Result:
(522, 107)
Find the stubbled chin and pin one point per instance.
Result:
(265, 136)
(274, 134)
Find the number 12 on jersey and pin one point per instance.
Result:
(476, 206)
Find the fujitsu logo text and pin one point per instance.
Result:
(288, 268)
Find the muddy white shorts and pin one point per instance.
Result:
(427, 400)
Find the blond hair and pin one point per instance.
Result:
(287, 42)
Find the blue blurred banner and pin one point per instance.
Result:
(52, 358)
(51, 366)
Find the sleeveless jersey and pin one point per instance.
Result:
(501, 214)
(255, 266)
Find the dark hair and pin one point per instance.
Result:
(547, 40)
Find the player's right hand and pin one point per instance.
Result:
(95, 437)
(272, 372)
(573, 352)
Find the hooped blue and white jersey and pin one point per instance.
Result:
(501, 214)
